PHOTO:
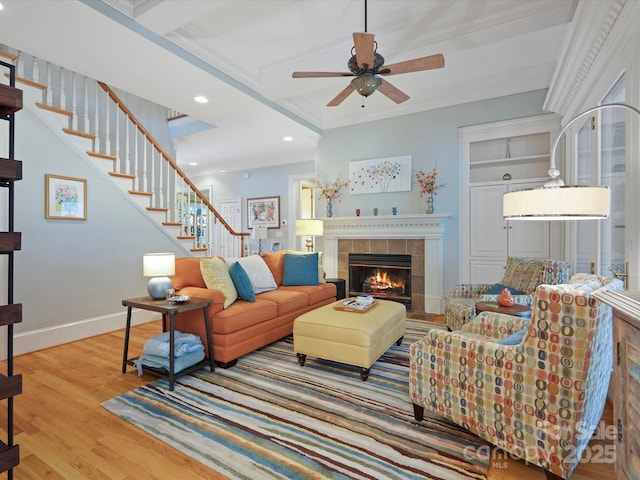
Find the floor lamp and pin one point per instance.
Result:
(555, 200)
(309, 228)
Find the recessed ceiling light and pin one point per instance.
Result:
(288, 139)
(201, 99)
(193, 164)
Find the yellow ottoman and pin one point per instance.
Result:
(354, 338)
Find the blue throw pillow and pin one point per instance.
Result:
(498, 288)
(300, 269)
(514, 338)
(242, 282)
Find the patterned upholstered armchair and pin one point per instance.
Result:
(539, 396)
(520, 275)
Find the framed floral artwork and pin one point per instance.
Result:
(65, 198)
(263, 211)
(381, 175)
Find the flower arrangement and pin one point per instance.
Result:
(331, 191)
(427, 182)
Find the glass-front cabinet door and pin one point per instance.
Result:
(600, 160)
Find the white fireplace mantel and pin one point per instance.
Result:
(427, 227)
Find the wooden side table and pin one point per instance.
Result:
(169, 309)
(515, 310)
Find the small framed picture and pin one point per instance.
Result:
(263, 211)
(65, 198)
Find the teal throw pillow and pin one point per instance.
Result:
(498, 288)
(242, 282)
(514, 338)
(300, 269)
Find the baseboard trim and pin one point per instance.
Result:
(33, 340)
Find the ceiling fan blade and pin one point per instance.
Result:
(392, 92)
(341, 96)
(415, 65)
(363, 44)
(320, 74)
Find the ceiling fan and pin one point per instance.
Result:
(367, 66)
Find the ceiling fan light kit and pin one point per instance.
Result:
(366, 65)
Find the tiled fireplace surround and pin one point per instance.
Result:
(421, 236)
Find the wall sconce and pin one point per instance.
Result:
(159, 266)
(554, 200)
(309, 228)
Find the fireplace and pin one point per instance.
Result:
(384, 276)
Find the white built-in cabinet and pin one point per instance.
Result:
(497, 158)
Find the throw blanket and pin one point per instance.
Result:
(188, 351)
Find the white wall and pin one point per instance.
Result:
(72, 275)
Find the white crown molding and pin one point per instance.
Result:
(587, 49)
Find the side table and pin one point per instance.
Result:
(341, 289)
(515, 310)
(169, 309)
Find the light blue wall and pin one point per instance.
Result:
(431, 138)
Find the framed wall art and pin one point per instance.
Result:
(380, 175)
(65, 198)
(263, 211)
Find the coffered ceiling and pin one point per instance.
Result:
(241, 54)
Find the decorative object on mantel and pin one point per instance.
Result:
(428, 186)
(331, 191)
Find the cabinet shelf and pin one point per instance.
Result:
(10, 99)
(10, 241)
(9, 456)
(509, 161)
(10, 170)
(10, 386)
(10, 314)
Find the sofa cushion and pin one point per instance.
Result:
(300, 269)
(242, 315)
(188, 273)
(215, 273)
(321, 275)
(288, 301)
(498, 288)
(523, 274)
(242, 282)
(315, 293)
(258, 272)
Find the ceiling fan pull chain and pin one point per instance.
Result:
(365, 16)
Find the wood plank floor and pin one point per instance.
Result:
(65, 434)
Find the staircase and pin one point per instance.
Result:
(89, 115)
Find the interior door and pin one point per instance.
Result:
(601, 160)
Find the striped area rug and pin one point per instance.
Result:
(269, 418)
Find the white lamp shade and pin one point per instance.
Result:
(158, 264)
(259, 232)
(309, 228)
(557, 203)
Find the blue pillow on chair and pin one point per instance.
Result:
(242, 282)
(514, 338)
(300, 269)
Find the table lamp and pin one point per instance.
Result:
(158, 266)
(309, 228)
(260, 232)
(557, 201)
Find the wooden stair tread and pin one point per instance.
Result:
(122, 175)
(157, 209)
(172, 224)
(77, 133)
(30, 83)
(199, 249)
(61, 111)
(137, 192)
(102, 155)
(186, 237)
(9, 56)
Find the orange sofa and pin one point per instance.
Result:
(246, 326)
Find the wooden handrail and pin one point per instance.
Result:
(173, 165)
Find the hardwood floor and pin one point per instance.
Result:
(65, 434)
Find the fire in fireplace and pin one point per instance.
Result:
(384, 276)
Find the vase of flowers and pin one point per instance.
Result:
(428, 186)
(330, 192)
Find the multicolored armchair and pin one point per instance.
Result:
(535, 388)
(521, 276)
